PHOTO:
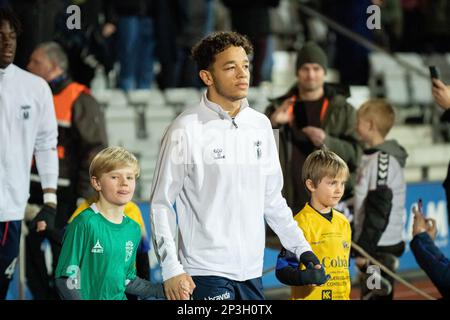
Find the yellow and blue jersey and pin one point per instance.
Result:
(330, 240)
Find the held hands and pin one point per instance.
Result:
(179, 287)
(314, 275)
(441, 94)
(423, 225)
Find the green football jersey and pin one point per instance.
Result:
(98, 256)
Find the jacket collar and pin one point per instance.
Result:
(218, 109)
(7, 72)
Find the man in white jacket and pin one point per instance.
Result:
(27, 127)
(219, 166)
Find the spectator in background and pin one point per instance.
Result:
(81, 134)
(134, 23)
(310, 114)
(252, 19)
(391, 31)
(441, 94)
(428, 255)
(351, 58)
(169, 19)
(198, 21)
(380, 191)
(87, 48)
(27, 125)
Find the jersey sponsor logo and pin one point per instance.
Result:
(335, 262)
(97, 248)
(327, 295)
(129, 246)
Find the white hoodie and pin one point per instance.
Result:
(27, 126)
(225, 178)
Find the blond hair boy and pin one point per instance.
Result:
(327, 230)
(98, 255)
(379, 203)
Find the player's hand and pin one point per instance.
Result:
(175, 287)
(314, 275)
(185, 290)
(45, 219)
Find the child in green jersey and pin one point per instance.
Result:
(98, 255)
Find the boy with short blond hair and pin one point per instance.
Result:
(326, 229)
(98, 255)
(379, 202)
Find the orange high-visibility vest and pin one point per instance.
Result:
(64, 102)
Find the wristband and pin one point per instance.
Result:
(50, 197)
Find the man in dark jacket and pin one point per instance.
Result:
(309, 115)
(81, 134)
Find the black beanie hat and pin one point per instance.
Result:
(311, 53)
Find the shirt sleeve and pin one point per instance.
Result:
(276, 211)
(131, 272)
(167, 184)
(363, 183)
(432, 261)
(73, 248)
(46, 141)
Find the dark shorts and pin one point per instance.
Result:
(9, 251)
(219, 288)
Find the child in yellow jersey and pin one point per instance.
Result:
(327, 230)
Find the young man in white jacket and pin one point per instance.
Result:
(219, 166)
(27, 127)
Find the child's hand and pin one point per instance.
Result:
(185, 290)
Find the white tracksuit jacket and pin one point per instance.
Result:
(225, 180)
(390, 167)
(27, 126)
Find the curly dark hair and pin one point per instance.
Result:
(205, 50)
(6, 14)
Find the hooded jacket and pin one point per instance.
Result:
(381, 169)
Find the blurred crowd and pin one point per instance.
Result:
(145, 43)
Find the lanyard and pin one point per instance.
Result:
(323, 110)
